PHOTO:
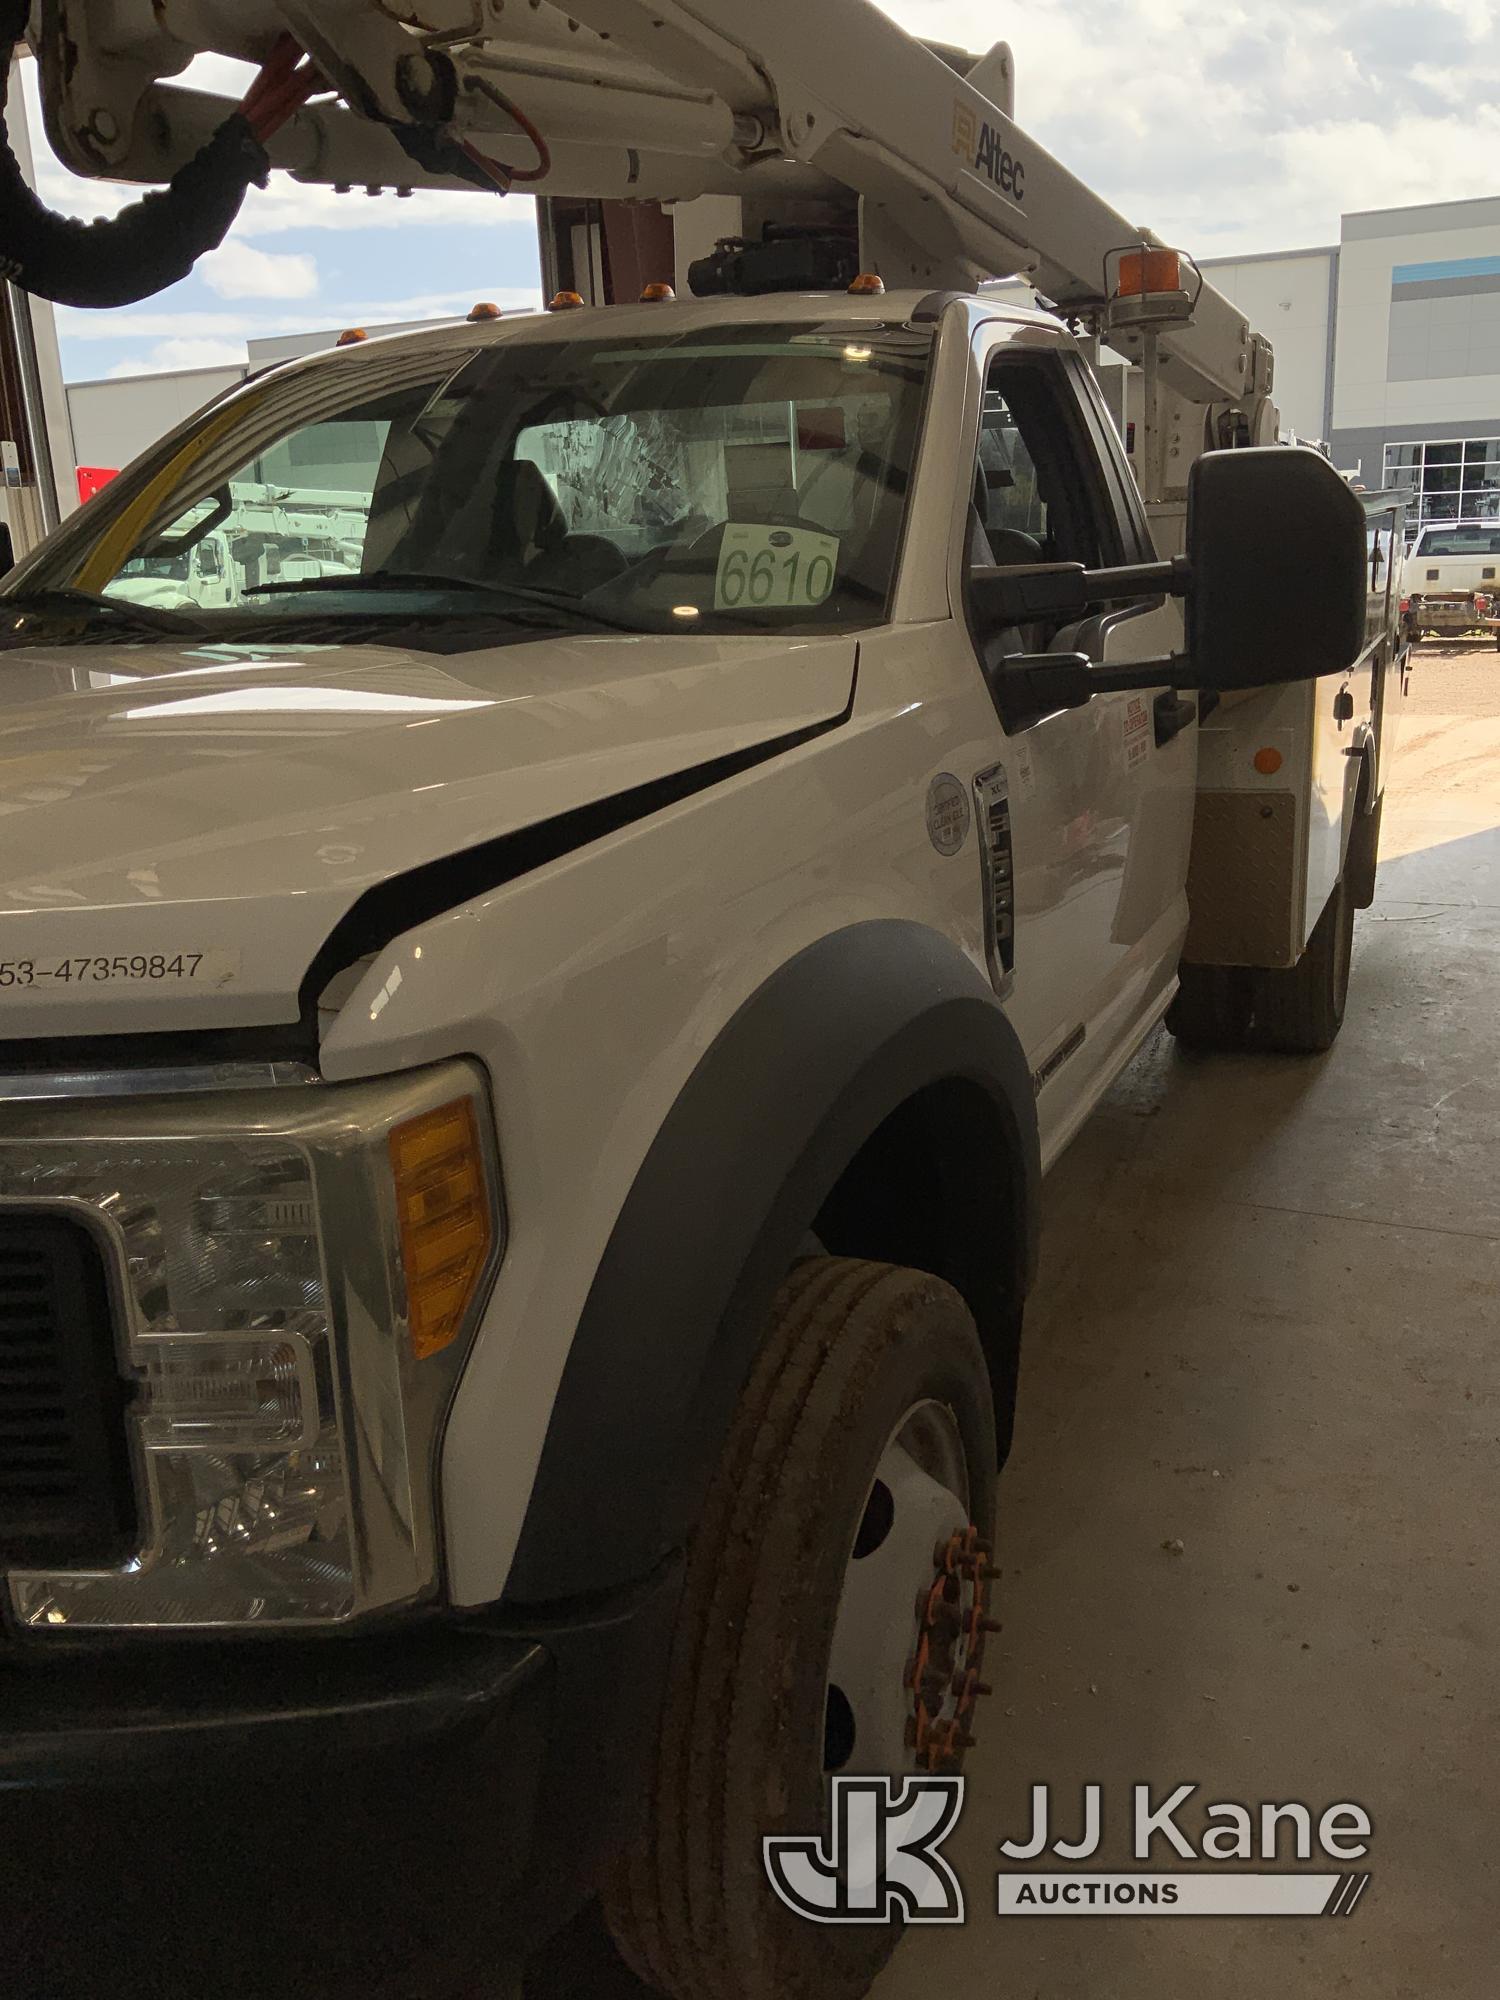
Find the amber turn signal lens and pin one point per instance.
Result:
(1267, 762)
(1149, 271)
(443, 1210)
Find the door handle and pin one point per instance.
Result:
(1173, 715)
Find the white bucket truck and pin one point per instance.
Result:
(529, 1060)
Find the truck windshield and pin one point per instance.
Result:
(744, 479)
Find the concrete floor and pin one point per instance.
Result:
(1266, 1330)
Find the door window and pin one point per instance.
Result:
(1038, 496)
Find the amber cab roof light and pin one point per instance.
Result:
(484, 310)
(566, 302)
(657, 295)
(868, 285)
(351, 337)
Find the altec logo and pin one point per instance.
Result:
(981, 147)
(881, 1864)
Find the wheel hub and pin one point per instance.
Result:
(905, 1671)
(946, 1674)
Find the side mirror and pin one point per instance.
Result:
(7, 549)
(1275, 582)
(1277, 569)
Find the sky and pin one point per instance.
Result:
(1226, 128)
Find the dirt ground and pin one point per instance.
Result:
(1250, 1525)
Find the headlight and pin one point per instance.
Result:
(296, 1275)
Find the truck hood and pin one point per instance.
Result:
(180, 831)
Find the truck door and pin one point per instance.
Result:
(1100, 797)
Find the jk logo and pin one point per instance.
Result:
(882, 1863)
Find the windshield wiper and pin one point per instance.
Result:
(408, 580)
(369, 579)
(63, 602)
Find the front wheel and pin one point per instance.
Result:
(834, 1618)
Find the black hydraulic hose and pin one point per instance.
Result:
(144, 249)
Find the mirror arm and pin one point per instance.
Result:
(1030, 685)
(1171, 670)
(1071, 679)
(1017, 595)
(1153, 579)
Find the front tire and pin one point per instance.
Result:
(863, 1446)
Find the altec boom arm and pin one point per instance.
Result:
(779, 101)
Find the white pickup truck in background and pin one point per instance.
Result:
(1453, 577)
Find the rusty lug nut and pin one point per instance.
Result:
(990, 1625)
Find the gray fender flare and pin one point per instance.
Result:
(803, 1074)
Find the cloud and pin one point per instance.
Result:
(142, 323)
(182, 353)
(240, 271)
(146, 323)
(1242, 128)
(287, 204)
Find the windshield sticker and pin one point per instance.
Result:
(783, 569)
(199, 969)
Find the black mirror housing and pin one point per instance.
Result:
(7, 549)
(1277, 566)
(1274, 579)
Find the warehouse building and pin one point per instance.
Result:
(1388, 347)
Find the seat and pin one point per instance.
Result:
(1014, 550)
(527, 520)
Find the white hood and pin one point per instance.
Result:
(229, 805)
